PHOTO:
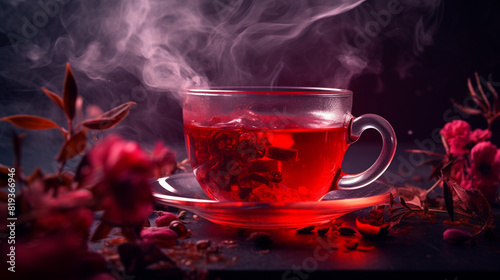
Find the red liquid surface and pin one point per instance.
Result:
(265, 165)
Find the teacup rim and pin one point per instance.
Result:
(268, 90)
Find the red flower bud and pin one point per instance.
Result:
(163, 237)
(456, 236)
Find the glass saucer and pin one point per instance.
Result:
(183, 191)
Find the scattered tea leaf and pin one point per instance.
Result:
(305, 230)
(70, 93)
(346, 231)
(322, 231)
(371, 228)
(202, 244)
(73, 146)
(179, 228)
(365, 248)
(110, 118)
(54, 97)
(261, 239)
(30, 122)
(182, 214)
(351, 245)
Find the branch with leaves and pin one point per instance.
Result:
(55, 212)
(75, 136)
(468, 172)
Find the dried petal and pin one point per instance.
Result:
(456, 236)
(30, 122)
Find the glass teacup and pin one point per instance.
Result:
(279, 144)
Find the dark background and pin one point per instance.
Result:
(412, 89)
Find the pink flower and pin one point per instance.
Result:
(479, 135)
(457, 135)
(163, 160)
(123, 171)
(485, 169)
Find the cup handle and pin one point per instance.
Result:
(356, 127)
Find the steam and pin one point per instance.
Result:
(149, 51)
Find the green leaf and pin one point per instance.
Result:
(474, 201)
(448, 199)
(30, 122)
(110, 118)
(54, 97)
(70, 93)
(73, 146)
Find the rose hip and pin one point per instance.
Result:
(165, 219)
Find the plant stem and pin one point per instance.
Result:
(433, 186)
(457, 212)
(70, 129)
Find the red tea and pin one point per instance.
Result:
(239, 164)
